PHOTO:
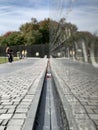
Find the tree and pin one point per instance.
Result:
(34, 20)
(46, 31)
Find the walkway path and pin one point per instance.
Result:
(78, 83)
(18, 90)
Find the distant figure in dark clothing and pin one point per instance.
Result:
(9, 53)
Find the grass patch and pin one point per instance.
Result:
(5, 59)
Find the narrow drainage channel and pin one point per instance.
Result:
(50, 114)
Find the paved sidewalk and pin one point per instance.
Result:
(17, 92)
(79, 92)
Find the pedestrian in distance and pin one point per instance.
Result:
(9, 53)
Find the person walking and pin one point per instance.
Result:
(9, 53)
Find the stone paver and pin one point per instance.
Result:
(80, 88)
(17, 91)
(2, 127)
(5, 116)
(14, 127)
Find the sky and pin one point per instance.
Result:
(82, 13)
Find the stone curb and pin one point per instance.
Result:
(30, 120)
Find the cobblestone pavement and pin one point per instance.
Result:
(16, 65)
(79, 84)
(16, 95)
